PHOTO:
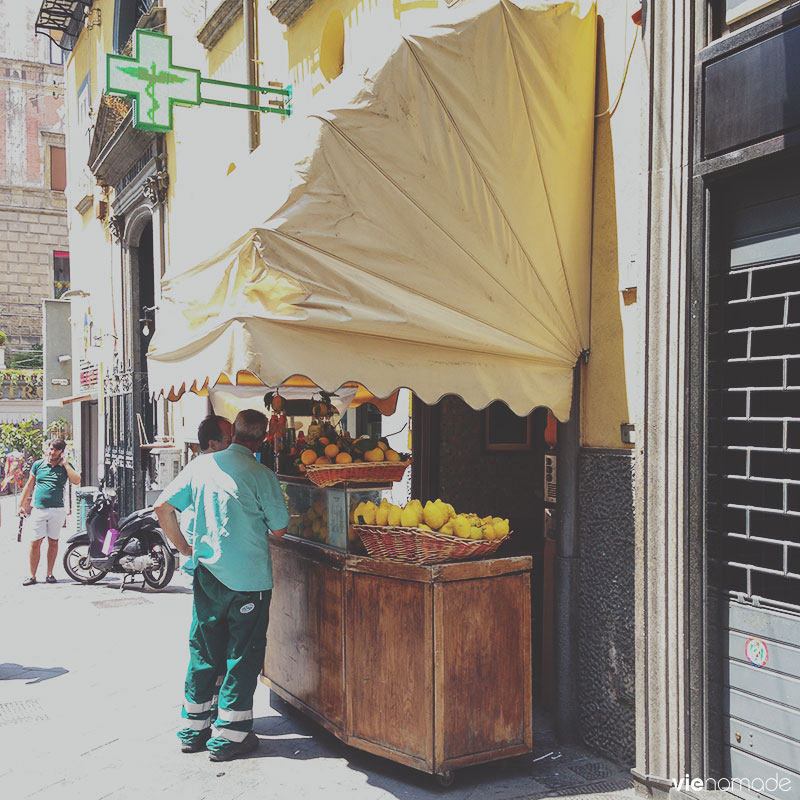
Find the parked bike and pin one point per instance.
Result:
(134, 546)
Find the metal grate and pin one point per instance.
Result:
(18, 711)
(754, 428)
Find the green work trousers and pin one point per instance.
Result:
(227, 641)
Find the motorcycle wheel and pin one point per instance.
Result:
(160, 576)
(78, 565)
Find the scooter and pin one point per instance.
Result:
(139, 548)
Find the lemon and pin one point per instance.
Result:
(394, 515)
(308, 457)
(447, 528)
(391, 455)
(411, 516)
(500, 526)
(487, 532)
(435, 514)
(357, 512)
(475, 533)
(382, 514)
(461, 527)
(344, 458)
(374, 455)
(369, 512)
(423, 527)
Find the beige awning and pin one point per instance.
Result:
(437, 233)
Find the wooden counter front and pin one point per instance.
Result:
(427, 665)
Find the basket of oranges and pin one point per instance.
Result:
(364, 460)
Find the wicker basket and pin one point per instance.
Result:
(363, 472)
(418, 546)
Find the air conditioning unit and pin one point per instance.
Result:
(165, 464)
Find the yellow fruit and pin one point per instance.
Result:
(316, 525)
(382, 514)
(358, 460)
(395, 513)
(374, 455)
(369, 512)
(308, 457)
(487, 520)
(331, 451)
(500, 527)
(323, 461)
(342, 458)
(324, 440)
(451, 510)
(390, 455)
(356, 513)
(323, 533)
(383, 446)
(411, 515)
(461, 527)
(423, 527)
(475, 533)
(435, 514)
(447, 528)
(309, 516)
(487, 532)
(319, 506)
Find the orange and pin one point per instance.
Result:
(391, 455)
(331, 451)
(324, 440)
(383, 446)
(344, 458)
(374, 455)
(322, 461)
(308, 456)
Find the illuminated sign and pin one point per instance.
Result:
(156, 85)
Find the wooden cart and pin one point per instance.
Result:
(429, 666)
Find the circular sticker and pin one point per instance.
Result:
(756, 652)
(247, 608)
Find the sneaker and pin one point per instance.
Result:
(235, 749)
(29, 581)
(198, 743)
(50, 579)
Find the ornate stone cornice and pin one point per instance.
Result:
(155, 186)
(289, 11)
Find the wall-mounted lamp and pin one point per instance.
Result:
(146, 322)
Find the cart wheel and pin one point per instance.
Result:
(445, 779)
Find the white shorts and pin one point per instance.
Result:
(46, 522)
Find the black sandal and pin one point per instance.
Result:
(50, 579)
(29, 581)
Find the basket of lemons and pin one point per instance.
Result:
(429, 534)
(363, 460)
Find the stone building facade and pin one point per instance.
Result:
(34, 249)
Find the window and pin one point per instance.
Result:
(126, 17)
(60, 272)
(58, 168)
(57, 55)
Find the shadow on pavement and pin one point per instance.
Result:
(17, 672)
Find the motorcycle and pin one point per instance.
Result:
(140, 547)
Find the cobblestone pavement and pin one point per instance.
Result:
(91, 683)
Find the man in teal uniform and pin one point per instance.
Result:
(236, 500)
(49, 476)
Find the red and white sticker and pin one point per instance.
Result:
(756, 652)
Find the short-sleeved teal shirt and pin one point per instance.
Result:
(235, 501)
(50, 482)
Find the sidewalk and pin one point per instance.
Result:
(91, 683)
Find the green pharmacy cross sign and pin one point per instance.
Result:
(155, 84)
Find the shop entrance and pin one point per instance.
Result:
(493, 462)
(753, 492)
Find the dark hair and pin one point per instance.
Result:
(58, 444)
(250, 426)
(209, 430)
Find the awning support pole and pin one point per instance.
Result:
(567, 573)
